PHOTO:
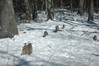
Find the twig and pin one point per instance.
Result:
(51, 56)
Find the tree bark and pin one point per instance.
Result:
(7, 19)
(90, 10)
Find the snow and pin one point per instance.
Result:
(71, 46)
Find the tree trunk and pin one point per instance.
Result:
(90, 10)
(34, 13)
(7, 19)
(97, 6)
(61, 4)
(71, 4)
(28, 10)
(85, 5)
(46, 3)
(80, 11)
(50, 10)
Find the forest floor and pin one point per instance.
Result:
(71, 46)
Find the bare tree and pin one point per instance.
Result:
(7, 19)
(90, 10)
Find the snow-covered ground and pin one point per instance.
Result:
(71, 46)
